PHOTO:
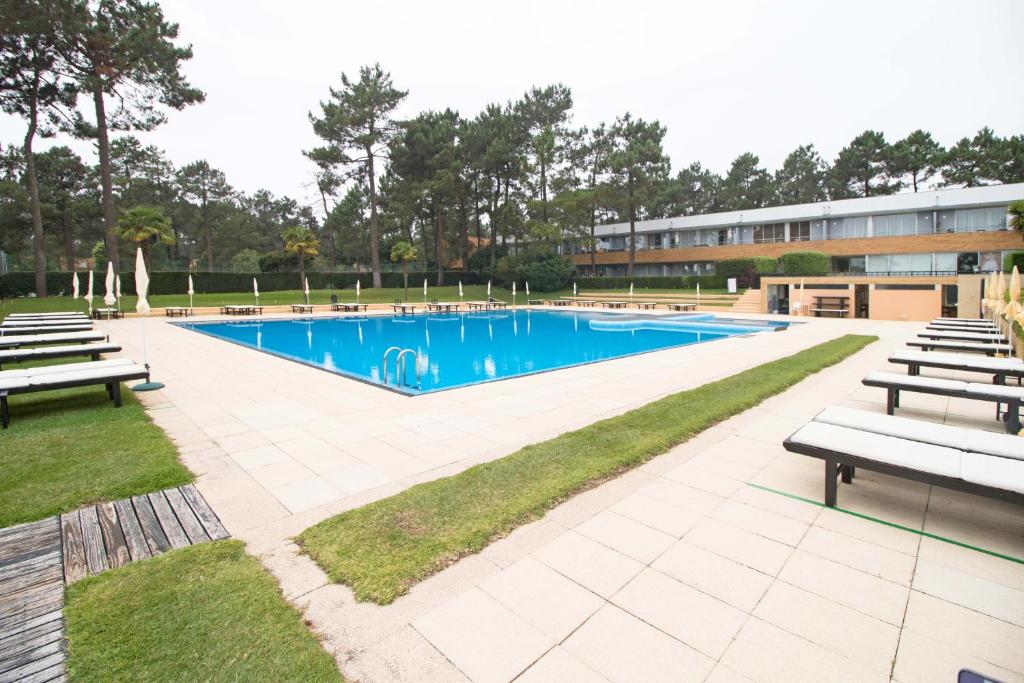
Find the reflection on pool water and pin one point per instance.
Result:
(458, 349)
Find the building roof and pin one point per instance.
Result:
(956, 198)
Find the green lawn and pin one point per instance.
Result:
(71, 447)
(205, 613)
(368, 296)
(383, 548)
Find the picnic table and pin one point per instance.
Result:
(403, 309)
(348, 308)
(589, 303)
(438, 307)
(559, 302)
(241, 310)
(106, 313)
(535, 302)
(682, 307)
(646, 305)
(302, 308)
(172, 311)
(613, 304)
(496, 303)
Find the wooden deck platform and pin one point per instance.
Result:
(32, 638)
(110, 535)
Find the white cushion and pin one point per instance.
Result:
(991, 443)
(69, 348)
(107, 374)
(973, 346)
(962, 359)
(67, 367)
(967, 336)
(887, 449)
(894, 378)
(991, 470)
(8, 383)
(996, 390)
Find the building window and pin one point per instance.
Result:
(973, 220)
(800, 231)
(988, 261)
(895, 225)
(769, 233)
(967, 262)
(846, 228)
(945, 263)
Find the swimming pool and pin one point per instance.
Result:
(459, 349)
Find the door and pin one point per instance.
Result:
(861, 296)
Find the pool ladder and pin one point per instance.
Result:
(400, 373)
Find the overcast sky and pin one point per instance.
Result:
(725, 77)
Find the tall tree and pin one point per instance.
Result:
(543, 113)
(356, 125)
(693, 191)
(302, 242)
(144, 225)
(747, 185)
(123, 50)
(637, 165)
(208, 188)
(1012, 168)
(975, 161)
(501, 163)
(863, 168)
(31, 87)
(917, 156)
(68, 196)
(803, 177)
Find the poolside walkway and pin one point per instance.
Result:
(692, 567)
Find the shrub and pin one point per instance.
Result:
(653, 282)
(245, 261)
(547, 274)
(279, 261)
(805, 263)
(743, 267)
(1015, 258)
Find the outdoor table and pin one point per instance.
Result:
(302, 308)
(613, 304)
(589, 303)
(559, 302)
(183, 311)
(241, 310)
(106, 313)
(445, 307)
(646, 305)
(682, 307)
(477, 305)
(403, 309)
(534, 302)
(494, 303)
(348, 308)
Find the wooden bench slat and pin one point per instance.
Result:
(206, 515)
(113, 537)
(29, 671)
(24, 659)
(138, 549)
(9, 632)
(74, 547)
(32, 572)
(95, 552)
(186, 517)
(31, 638)
(176, 536)
(155, 537)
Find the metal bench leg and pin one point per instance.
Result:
(5, 416)
(890, 401)
(1013, 417)
(116, 394)
(831, 485)
(847, 472)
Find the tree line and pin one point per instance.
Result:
(518, 176)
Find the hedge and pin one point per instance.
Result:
(24, 283)
(806, 263)
(743, 267)
(653, 282)
(1012, 259)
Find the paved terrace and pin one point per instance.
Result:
(679, 570)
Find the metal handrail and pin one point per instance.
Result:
(400, 366)
(385, 362)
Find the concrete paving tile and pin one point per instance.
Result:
(780, 505)
(973, 592)
(762, 522)
(700, 478)
(969, 561)
(260, 456)
(623, 648)
(356, 478)
(242, 441)
(558, 666)
(867, 530)
(589, 563)
(767, 653)
(403, 657)
(704, 623)
(484, 639)
(921, 658)
(547, 600)
(629, 537)
(688, 498)
(853, 588)
(747, 548)
(713, 574)
(657, 514)
(279, 473)
(306, 493)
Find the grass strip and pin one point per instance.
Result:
(209, 612)
(383, 548)
(71, 447)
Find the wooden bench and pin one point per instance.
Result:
(646, 305)
(347, 308)
(302, 308)
(182, 311)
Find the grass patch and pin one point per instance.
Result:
(71, 447)
(203, 613)
(382, 549)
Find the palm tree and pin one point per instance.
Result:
(141, 224)
(404, 252)
(1016, 211)
(302, 242)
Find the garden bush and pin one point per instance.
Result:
(1015, 258)
(547, 274)
(653, 282)
(743, 267)
(806, 263)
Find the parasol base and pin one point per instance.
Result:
(148, 386)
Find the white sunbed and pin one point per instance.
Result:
(19, 340)
(964, 336)
(1000, 368)
(52, 377)
(44, 322)
(67, 351)
(970, 460)
(44, 329)
(45, 316)
(970, 347)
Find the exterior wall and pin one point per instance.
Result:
(944, 242)
(905, 305)
(968, 303)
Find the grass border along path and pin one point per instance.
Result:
(383, 548)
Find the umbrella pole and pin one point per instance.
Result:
(150, 385)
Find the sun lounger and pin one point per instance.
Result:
(968, 460)
(965, 321)
(999, 368)
(18, 340)
(969, 347)
(69, 351)
(110, 373)
(44, 316)
(46, 322)
(947, 327)
(965, 336)
(44, 329)
(894, 383)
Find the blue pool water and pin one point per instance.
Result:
(459, 349)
